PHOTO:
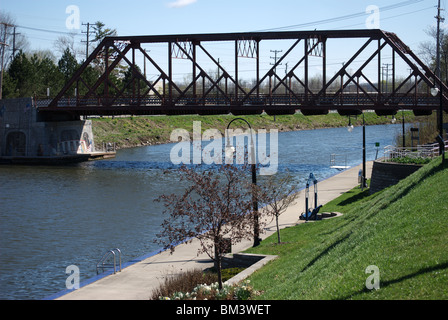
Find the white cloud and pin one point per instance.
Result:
(180, 3)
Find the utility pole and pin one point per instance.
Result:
(87, 40)
(386, 66)
(14, 49)
(4, 44)
(275, 68)
(275, 63)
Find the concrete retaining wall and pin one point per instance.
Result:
(23, 135)
(251, 263)
(385, 174)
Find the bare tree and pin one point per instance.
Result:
(67, 41)
(279, 193)
(427, 50)
(216, 205)
(15, 41)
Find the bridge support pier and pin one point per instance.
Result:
(26, 139)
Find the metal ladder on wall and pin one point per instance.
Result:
(338, 161)
(102, 262)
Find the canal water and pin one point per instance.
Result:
(54, 217)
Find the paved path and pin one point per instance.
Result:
(137, 281)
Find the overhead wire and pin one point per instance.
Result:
(341, 18)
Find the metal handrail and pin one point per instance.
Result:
(333, 164)
(101, 263)
(423, 151)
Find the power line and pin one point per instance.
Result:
(341, 18)
(48, 31)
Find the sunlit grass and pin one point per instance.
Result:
(403, 230)
(143, 130)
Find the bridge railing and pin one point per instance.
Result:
(329, 99)
(421, 151)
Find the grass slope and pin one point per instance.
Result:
(149, 130)
(403, 230)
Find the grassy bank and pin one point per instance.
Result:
(150, 130)
(403, 230)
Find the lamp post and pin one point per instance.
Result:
(350, 129)
(229, 151)
(350, 126)
(435, 91)
(363, 153)
(402, 127)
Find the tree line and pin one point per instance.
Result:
(40, 73)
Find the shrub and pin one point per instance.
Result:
(184, 282)
(240, 291)
(410, 160)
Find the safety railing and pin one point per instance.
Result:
(338, 161)
(421, 151)
(102, 262)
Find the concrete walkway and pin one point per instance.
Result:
(137, 281)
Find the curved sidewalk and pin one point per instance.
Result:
(137, 281)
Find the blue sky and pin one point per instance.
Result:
(407, 18)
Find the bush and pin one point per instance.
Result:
(199, 285)
(410, 160)
(184, 282)
(241, 291)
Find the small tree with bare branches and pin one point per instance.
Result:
(279, 194)
(216, 205)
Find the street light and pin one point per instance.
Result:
(350, 129)
(434, 92)
(229, 151)
(350, 126)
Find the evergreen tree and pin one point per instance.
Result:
(20, 75)
(67, 65)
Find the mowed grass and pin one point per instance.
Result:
(143, 130)
(402, 230)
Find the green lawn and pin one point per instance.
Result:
(143, 130)
(403, 230)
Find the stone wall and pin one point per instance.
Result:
(23, 135)
(385, 174)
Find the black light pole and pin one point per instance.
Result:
(363, 153)
(254, 180)
(439, 75)
(402, 124)
(350, 129)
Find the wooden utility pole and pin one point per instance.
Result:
(4, 44)
(87, 40)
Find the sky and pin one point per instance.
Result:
(43, 21)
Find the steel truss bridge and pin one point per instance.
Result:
(350, 90)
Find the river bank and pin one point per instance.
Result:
(135, 131)
(76, 213)
(136, 281)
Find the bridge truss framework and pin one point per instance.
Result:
(223, 93)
